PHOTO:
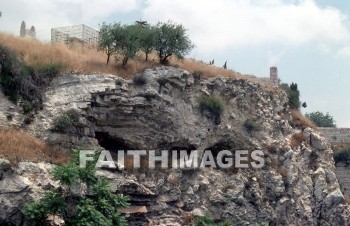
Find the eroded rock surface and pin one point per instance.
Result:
(297, 185)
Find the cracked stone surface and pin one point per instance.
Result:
(297, 185)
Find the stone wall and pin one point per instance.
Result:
(342, 171)
(336, 135)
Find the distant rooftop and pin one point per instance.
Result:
(81, 33)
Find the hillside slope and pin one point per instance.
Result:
(297, 185)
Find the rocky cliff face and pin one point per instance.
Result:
(297, 185)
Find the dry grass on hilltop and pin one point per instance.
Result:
(17, 146)
(83, 59)
(300, 121)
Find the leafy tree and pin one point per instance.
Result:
(320, 119)
(148, 39)
(293, 94)
(126, 39)
(168, 39)
(106, 42)
(95, 206)
(172, 40)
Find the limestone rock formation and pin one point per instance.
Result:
(297, 185)
(19, 184)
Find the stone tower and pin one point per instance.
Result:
(27, 32)
(274, 75)
(22, 32)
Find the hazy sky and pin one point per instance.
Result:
(308, 40)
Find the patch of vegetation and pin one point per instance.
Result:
(251, 125)
(297, 139)
(168, 39)
(22, 81)
(26, 71)
(119, 82)
(207, 220)
(51, 70)
(300, 121)
(27, 107)
(320, 119)
(293, 94)
(139, 80)
(172, 40)
(342, 155)
(197, 75)
(9, 68)
(66, 121)
(100, 207)
(202, 221)
(213, 105)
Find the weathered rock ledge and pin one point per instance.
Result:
(297, 185)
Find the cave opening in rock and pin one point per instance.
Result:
(111, 143)
(221, 146)
(188, 148)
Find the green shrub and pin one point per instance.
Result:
(10, 68)
(207, 220)
(320, 119)
(51, 70)
(100, 207)
(202, 221)
(27, 71)
(293, 94)
(22, 81)
(35, 212)
(226, 223)
(139, 80)
(197, 75)
(118, 82)
(251, 125)
(27, 107)
(342, 155)
(50, 203)
(213, 105)
(67, 121)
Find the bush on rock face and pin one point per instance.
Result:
(67, 121)
(252, 125)
(99, 207)
(139, 80)
(20, 81)
(213, 105)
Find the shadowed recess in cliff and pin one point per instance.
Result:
(111, 143)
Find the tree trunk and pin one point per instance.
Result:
(146, 56)
(164, 60)
(125, 61)
(108, 56)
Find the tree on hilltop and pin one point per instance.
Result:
(127, 41)
(172, 40)
(148, 39)
(106, 42)
(168, 39)
(320, 119)
(293, 94)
